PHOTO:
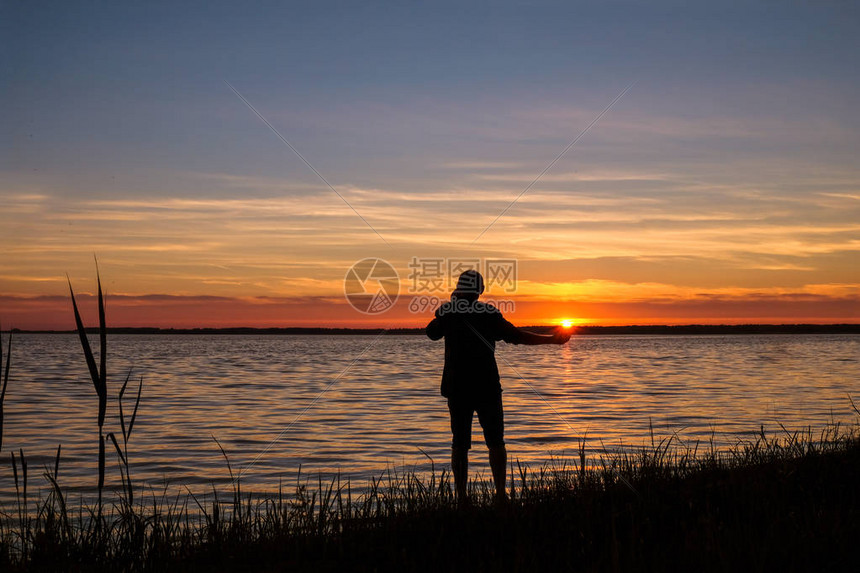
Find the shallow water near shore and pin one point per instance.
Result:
(361, 404)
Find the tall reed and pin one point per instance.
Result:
(5, 381)
(98, 374)
(122, 452)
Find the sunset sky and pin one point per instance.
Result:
(723, 187)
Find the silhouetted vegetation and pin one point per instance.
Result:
(98, 373)
(775, 503)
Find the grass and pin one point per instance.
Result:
(787, 502)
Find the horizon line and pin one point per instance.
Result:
(577, 329)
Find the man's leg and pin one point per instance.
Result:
(492, 418)
(461, 431)
(499, 465)
(460, 467)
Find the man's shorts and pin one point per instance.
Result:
(490, 415)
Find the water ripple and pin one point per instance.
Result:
(259, 392)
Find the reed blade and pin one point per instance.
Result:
(121, 413)
(23, 471)
(125, 382)
(136, 405)
(57, 460)
(116, 446)
(14, 470)
(5, 382)
(85, 343)
(102, 336)
(101, 389)
(101, 463)
(226, 459)
(6, 372)
(58, 494)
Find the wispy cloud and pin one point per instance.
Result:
(854, 197)
(270, 245)
(482, 165)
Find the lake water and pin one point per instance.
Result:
(359, 404)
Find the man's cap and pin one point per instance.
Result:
(470, 282)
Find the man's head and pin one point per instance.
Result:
(470, 285)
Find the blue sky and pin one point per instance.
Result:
(94, 87)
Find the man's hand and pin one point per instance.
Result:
(561, 335)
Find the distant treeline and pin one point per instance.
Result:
(696, 329)
(724, 329)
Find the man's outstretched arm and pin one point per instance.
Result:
(514, 335)
(532, 338)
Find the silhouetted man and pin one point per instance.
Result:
(470, 379)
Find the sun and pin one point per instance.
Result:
(567, 322)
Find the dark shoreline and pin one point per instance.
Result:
(787, 502)
(687, 329)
